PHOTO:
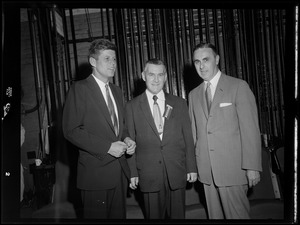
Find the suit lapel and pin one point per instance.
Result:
(144, 104)
(119, 104)
(201, 97)
(99, 99)
(219, 92)
(167, 121)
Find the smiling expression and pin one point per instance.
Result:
(105, 65)
(155, 77)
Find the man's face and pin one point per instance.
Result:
(105, 66)
(155, 77)
(206, 63)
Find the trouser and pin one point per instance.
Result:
(227, 202)
(105, 204)
(165, 203)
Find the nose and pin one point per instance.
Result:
(201, 65)
(112, 62)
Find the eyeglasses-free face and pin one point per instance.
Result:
(155, 77)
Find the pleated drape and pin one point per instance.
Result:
(251, 44)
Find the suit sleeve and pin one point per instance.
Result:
(130, 129)
(125, 129)
(191, 115)
(73, 127)
(249, 128)
(188, 137)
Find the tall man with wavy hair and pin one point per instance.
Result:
(93, 121)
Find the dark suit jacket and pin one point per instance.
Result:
(228, 139)
(176, 150)
(87, 125)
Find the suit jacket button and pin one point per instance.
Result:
(209, 132)
(211, 149)
(159, 162)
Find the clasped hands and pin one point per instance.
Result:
(119, 148)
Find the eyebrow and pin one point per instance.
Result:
(155, 73)
(205, 58)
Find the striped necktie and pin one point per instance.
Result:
(111, 110)
(157, 115)
(208, 96)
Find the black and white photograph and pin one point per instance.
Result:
(149, 112)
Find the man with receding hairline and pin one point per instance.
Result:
(164, 160)
(226, 133)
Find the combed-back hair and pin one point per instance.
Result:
(99, 45)
(154, 61)
(206, 45)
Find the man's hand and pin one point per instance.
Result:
(253, 177)
(130, 145)
(191, 177)
(117, 149)
(134, 182)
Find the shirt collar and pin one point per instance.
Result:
(100, 82)
(215, 79)
(160, 95)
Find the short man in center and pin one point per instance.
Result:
(164, 159)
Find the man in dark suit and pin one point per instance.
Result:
(93, 121)
(227, 137)
(164, 159)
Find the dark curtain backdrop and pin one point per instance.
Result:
(251, 44)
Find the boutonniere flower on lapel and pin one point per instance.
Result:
(168, 111)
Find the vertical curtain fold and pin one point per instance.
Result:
(251, 44)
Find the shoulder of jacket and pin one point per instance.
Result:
(79, 84)
(196, 89)
(174, 97)
(134, 99)
(233, 79)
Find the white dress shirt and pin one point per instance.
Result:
(160, 101)
(213, 84)
(101, 85)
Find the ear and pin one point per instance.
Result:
(217, 59)
(92, 61)
(166, 77)
(144, 76)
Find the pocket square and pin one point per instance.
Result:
(225, 104)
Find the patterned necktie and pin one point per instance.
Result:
(208, 96)
(157, 116)
(111, 110)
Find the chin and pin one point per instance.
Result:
(155, 91)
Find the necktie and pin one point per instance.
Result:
(111, 110)
(208, 96)
(157, 116)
